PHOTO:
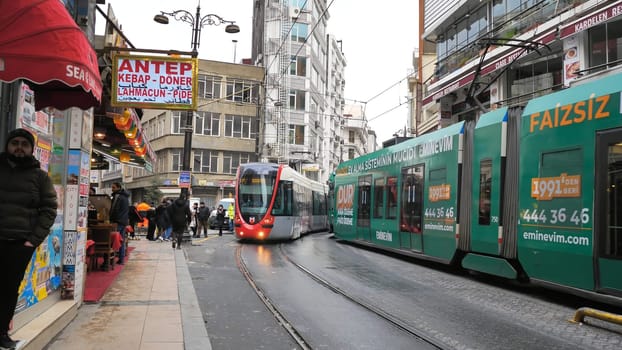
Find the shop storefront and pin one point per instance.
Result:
(49, 84)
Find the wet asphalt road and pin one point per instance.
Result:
(454, 310)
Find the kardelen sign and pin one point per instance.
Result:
(154, 82)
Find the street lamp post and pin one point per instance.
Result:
(197, 23)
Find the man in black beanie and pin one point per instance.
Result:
(27, 211)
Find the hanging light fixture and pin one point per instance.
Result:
(99, 133)
(124, 157)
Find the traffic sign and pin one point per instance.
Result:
(184, 179)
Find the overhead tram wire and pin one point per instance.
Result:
(389, 110)
(391, 86)
(387, 89)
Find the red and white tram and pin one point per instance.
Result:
(274, 202)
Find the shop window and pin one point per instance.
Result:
(605, 45)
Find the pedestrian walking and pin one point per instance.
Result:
(163, 221)
(220, 218)
(194, 223)
(27, 211)
(119, 214)
(203, 216)
(180, 214)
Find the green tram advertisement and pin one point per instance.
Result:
(532, 193)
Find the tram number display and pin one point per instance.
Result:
(563, 186)
(556, 216)
(439, 213)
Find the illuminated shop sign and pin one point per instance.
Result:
(154, 82)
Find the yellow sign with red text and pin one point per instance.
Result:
(154, 82)
(563, 186)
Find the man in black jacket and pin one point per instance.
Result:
(202, 225)
(119, 214)
(180, 215)
(27, 211)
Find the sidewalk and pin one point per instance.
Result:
(152, 305)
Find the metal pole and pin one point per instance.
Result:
(196, 36)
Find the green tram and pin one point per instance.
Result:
(533, 193)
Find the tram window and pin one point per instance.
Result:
(485, 179)
(378, 197)
(411, 209)
(282, 202)
(438, 176)
(391, 189)
(364, 202)
(317, 203)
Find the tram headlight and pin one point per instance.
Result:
(268, 222)
(260, 234)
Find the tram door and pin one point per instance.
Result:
(411, 208)
(608, 211)
(364, 208)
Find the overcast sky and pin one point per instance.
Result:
(378, 42)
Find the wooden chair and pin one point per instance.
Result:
(103, 244)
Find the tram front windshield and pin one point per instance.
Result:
(255, 191)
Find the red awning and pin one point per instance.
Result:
(41, 43)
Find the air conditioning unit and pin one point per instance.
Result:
(294, 12)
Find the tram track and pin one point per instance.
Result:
(395, 321)
(293, 332)
(281, 319)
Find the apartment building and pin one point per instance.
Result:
(496, 53)
(304, 85)
(225, 131)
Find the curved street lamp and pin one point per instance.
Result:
(197, 23)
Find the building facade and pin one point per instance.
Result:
(225, 133)
(303, 85)
(498, 53)
(354, 133)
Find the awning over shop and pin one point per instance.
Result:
(125, 143)
(41, 43)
